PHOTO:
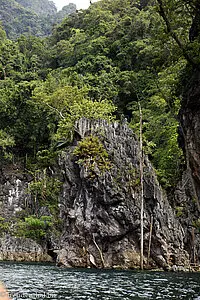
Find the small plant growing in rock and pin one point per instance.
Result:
(46, 190)
(4, 226)
(33, 227)
(91, 154)
(196, 224)
(179, 211)
(134, 177)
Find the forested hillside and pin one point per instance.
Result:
(40, 7)
(111, 56)
(31, 17)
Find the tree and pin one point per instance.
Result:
(69, 103)
(113, 54)
(188, 11)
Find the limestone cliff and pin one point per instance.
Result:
(188, 191)
(100, 210)
(104, 211)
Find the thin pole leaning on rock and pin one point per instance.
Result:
(141, 195)
(193, 245)
(100, 252)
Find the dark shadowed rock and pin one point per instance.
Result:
(188, 191)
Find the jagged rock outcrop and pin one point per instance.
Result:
(100, 210)
(22, 249)
(102, 213)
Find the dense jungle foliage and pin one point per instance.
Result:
(99, 63)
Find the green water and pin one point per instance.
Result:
(38, 281)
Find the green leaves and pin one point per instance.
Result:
(33, 227)
(160, 134)
(68, 104)
(31, 17)
(6, 140)
(116, 53)
(45, 189)
(7, 143)
(91, 154)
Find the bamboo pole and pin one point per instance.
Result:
(142, 195)
(193, 244)
(100, 252)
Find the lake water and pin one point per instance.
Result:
(39, 281)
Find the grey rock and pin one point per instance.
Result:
(101, 214)
(109, 206)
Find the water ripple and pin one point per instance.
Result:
(38, 281)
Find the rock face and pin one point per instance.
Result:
(189, 190)
(187, 211)
(21, 249)
(101, 210)
(13, 200)
(102, 214)
(13, 196)
(189, 118)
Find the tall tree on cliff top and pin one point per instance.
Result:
(179, 13)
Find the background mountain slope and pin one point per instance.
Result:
(31, 17)
(40, 7)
